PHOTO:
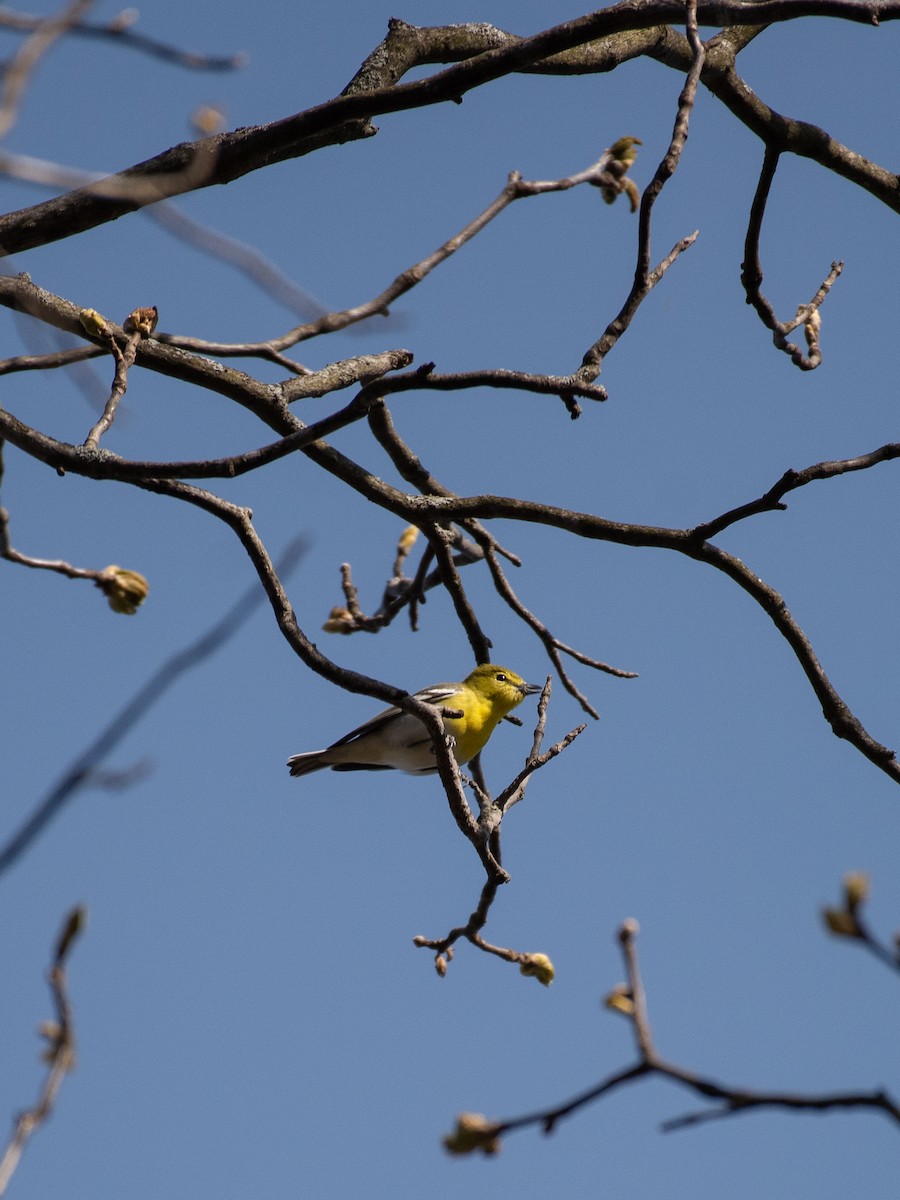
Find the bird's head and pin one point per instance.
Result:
(502, 688)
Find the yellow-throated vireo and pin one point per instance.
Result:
(396, 740)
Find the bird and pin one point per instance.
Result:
(396, 740)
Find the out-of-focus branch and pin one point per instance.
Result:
(59, 1054)
(83, 770)
(260, 270)
(848, 921)
(45, 32)
(243, 257)
(475, 1133)
(120, 30)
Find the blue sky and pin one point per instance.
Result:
(252, 1015)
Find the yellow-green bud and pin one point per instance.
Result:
(624, 151)
(93, 322)
(539, 967)
(340, 620)
(408, 539)
(125, 590)
(621, 1000)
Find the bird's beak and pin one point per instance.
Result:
(532, 689)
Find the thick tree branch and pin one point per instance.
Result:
(228, 156)
(445, 507)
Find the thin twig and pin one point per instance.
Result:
(847, 921)
(553, 646)
(487, 832)
(645, 279)
(59, 1054)
(516, 188)
(123, 359)
(44, 564)
(808, 315)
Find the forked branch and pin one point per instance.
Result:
(476, 1133)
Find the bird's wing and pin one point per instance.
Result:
(435, 694)
(371, 726)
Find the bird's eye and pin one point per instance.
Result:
(500, 677)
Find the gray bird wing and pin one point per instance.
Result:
(431, 695)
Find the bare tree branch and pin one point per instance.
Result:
(597, 175)
(476, 1133)
(228, 156)
(485, 835)
(645, 279)
(808, 315)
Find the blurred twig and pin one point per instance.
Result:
(44, 32)
(82, 769)
(847, 921)
(59, 1054)
(121, 29)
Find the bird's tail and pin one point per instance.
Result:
(305, 764)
